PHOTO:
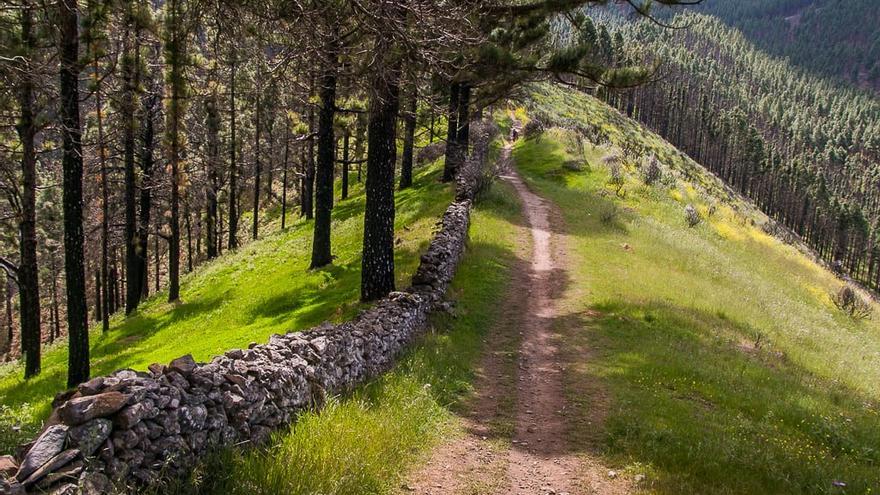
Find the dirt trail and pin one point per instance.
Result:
(519, 390)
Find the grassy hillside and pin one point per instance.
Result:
(713, 355)
(261, 289)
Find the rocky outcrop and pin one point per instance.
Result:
(133, 427)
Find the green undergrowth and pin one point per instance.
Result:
(363, 443)
(712, 356)
(246, 296)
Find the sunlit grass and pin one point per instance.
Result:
(263, 288)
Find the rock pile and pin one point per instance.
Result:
(132, 427)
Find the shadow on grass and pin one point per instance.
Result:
(704, 404)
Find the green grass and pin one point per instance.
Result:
(363, 443)
(263, 288)
(725, 365)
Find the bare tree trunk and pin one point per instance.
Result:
(72, 164)
(321, 250)
(233, 173)
(56, 320)
(345, 164)
(409, 134)
(377, 266)
(147, 138)
(284, 176)
(176, 54)
(28, 273)
(450, 166)
(105, 196)
(257, 165)
(133, 274)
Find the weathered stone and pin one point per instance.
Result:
(87, 437)
(51, 466)
(69, 473)
(79, 410)
(11, 487)
(92, 386)
(47, 446)
(192, 418)
(8, 466)
(91, 483)
(183, 365)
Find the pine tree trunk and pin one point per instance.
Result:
(258, 167)
(176, 53)
(406, 162)
(450, 166)
(28, 273)
(99, 304)
(72, 165)
(321, 251)
(105, 199)
(56, 319)
(233, 173)
(284, 176)
(145, 204)
(464, 125)
(309, 187)
(213, 130)
(131, 79)
(345, 165)
(10, 321)
(377, 269)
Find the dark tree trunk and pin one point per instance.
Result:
(157, 259)
(257, 168)
(450, 166)
(72, 165)
(176, 51)
(189, 246)
(321, 251)
(10, 321)
(377, 269)
(464, 124)
(309, 176)
(233, 173)
(29, 285)
(284, 174)
(105, 201)
(213, 129)
(147, 139)
(345, 164)
(406, 162)
(133, 287)
(56, 319)
(99, 304)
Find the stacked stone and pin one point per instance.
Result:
(132, 428)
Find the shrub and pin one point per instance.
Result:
(652, 170)
(616, 178)
(533, 129)
(608, 212)
(692, 216)
(850, 301)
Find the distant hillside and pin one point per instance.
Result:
(805, 149)
(831, 37)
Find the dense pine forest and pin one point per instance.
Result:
(836, 38)
(805, 149)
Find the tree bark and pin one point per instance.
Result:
(406, 161)
(377, 266)
(450, 165)
(257, 165)
(233, 173)
(130, 76)
(464, 124)
(213, 129)
(345, 164)
(175, 52)
(284, 175)
(105, 198)
(29, 286)
(321, 250)
(147, 140)
(72, 165)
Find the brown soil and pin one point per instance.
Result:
(517, 437)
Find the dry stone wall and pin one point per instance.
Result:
(133, 428)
